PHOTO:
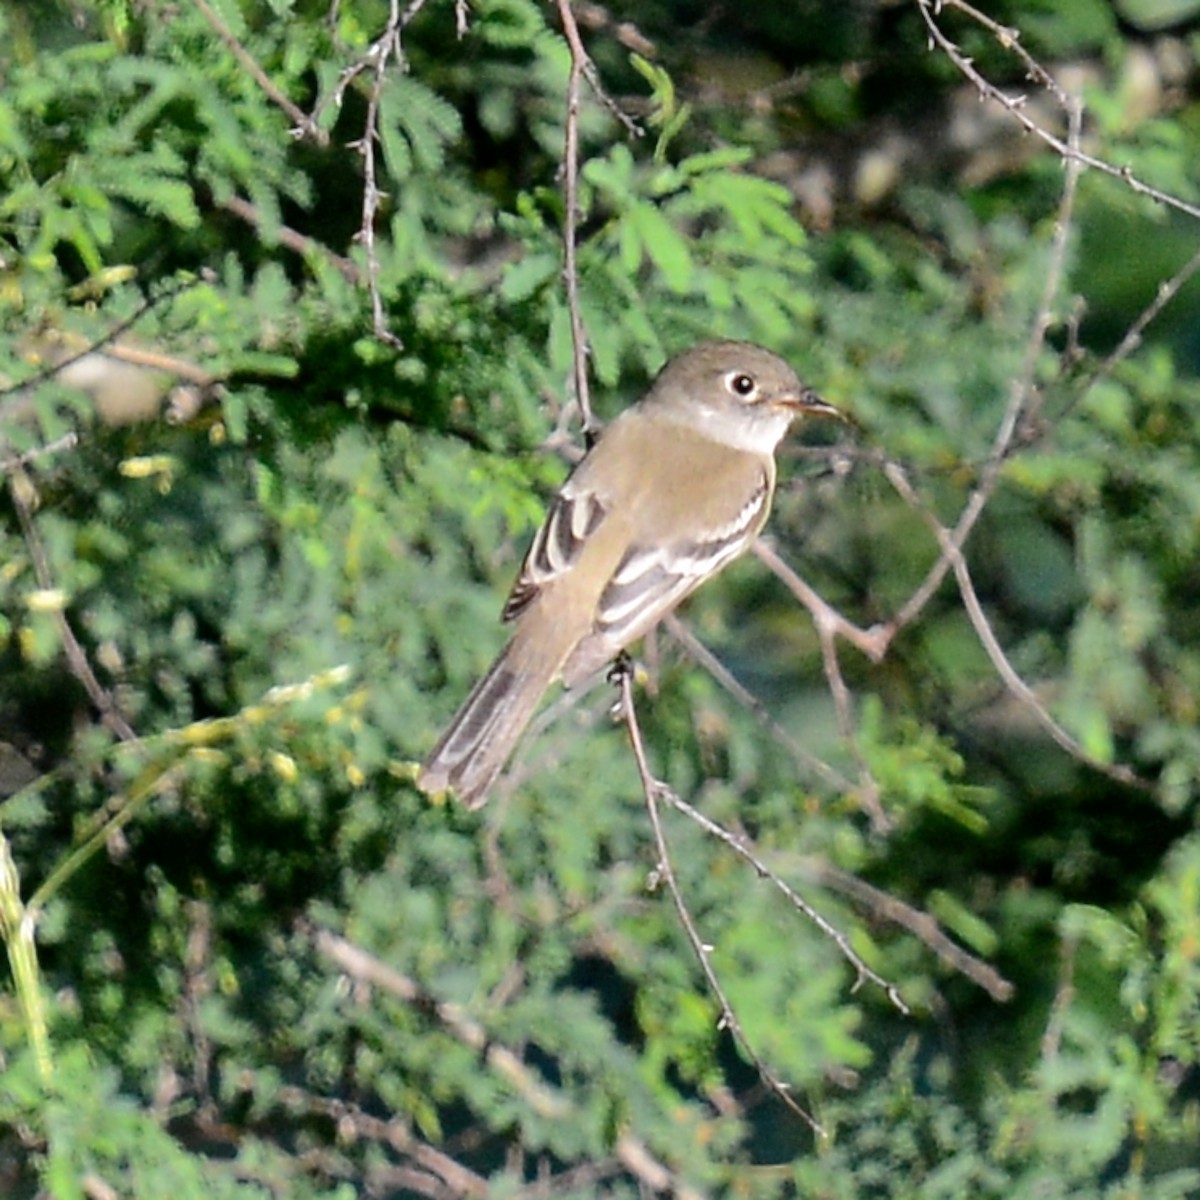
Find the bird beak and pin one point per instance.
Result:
(809, 403)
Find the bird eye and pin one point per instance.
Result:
(741, 384)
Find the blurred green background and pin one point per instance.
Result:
(253, 552)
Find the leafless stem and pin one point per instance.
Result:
(96, 1187)
(872, 642)
(302, 124)
(579, 342)
(741, 846)
(353, 1123)
(197, 987)
(886, 907)
(654, 790)
(77, 659)
(868, 785)
(366, 968)
(303, 245)
(1063, 996)
(1022, 403)
(1167, 291)
(106, 343)
(546, 1101)
(952, 553)
(12, 462)
(696, 650)
(588, 68)
(383, 50)
(1069, 149)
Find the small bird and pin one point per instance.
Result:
(674, 489)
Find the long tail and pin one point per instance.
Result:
(474, 749)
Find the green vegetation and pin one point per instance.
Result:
(247, 958)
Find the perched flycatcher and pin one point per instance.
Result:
(674, 489)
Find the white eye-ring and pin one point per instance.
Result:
(741, 385)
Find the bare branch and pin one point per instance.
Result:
(1167, 291)
(887, 907)
(301, 243)
(588, 68)
(366, 968)
(77, 659)
(12, 462)
(953, 554)
(579, 343)
(1064, 995)
(381, 52)
(654, 790)
(582, 68)
(741, 846)
(1022, 404)
(302, 124)
(872, 642)
(96, 1187)
(868, 785)
(355, 1124)
(543, 1099)
(696, 650)
(1069, 149)
(107, 342)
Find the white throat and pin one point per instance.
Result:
(757, 430)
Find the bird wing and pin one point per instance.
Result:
(575, 514)
(651, 580)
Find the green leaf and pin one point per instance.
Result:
(665, 246)
(428, 122)
(507, 24)
(524, 277)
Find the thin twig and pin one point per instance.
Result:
(587, 69)
(1015, 105)
(96, 1187)
(376, 59)
(582, 68)
(302, 124)
(1064, 995)
(545, 1100)
(1012, 680)
(360, 965)
(104, 343)
(654, 790)
(872, 642)
(12, 462)
(868, 786)
(158, 360)
(580, 350)
(884, 906)
(77, 659)
(741, 846)
(301, 243)
(382, 51)
(700, 653)
(353, 1123)
(1021, 405)
(1166, 292)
